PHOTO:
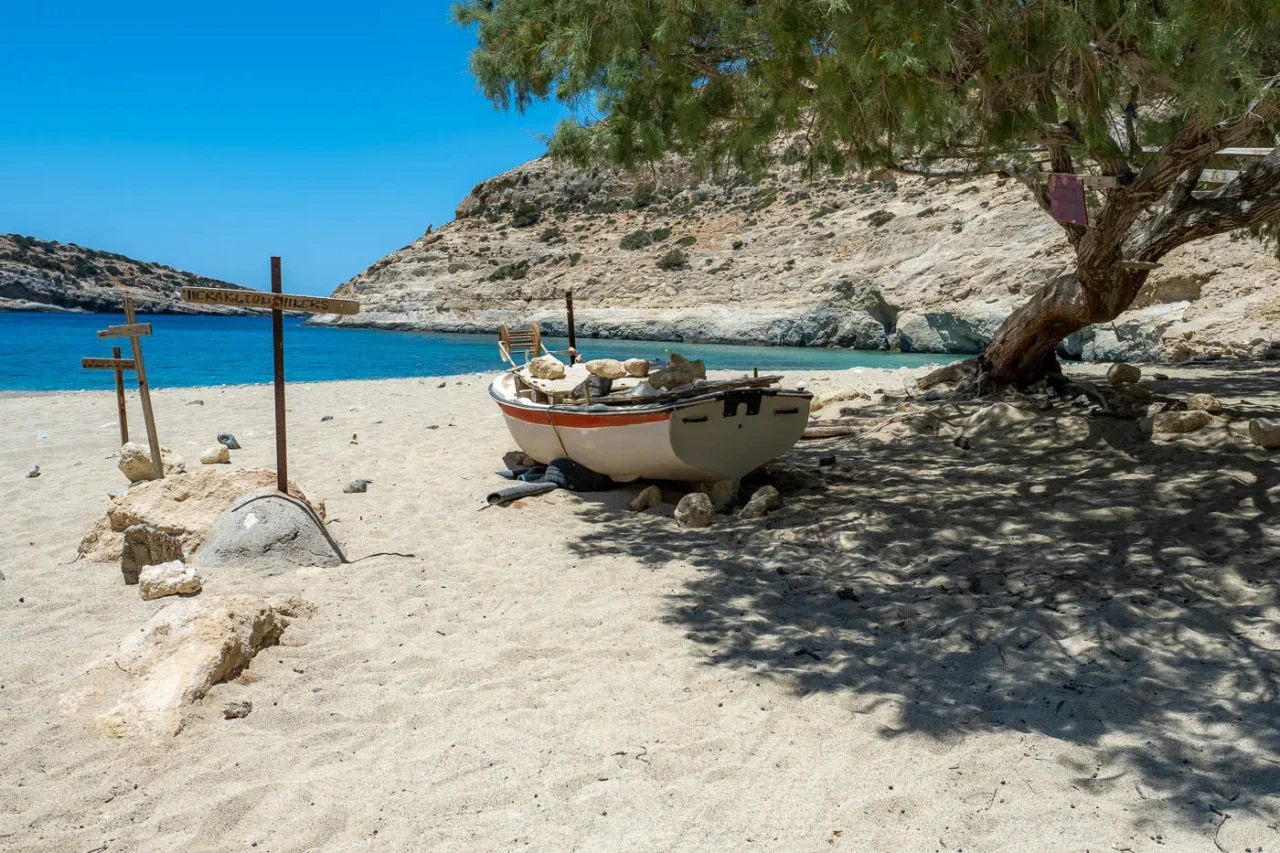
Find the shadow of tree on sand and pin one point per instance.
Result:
(1074, 579)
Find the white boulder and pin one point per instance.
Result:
(172, 578)
(1179, 423)
(1121, 373)
(637, 367)
(606, 368)
(546, 367)
(135, 462)
(218, 454)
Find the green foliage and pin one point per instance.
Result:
(551, 235)
(644, 195)
(867, 83)
(515, 270)
(673, 260)
(878, 218)
(525, 215)
(687, 240)
(660, 234)
(574, 257)
(636, 240)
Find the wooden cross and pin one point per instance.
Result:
(133, 330)
(278, 303)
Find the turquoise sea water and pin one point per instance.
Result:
(42, 352)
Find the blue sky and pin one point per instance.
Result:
(211, 138)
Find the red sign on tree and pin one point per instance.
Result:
(1066, 199)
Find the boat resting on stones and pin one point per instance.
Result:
(704, 431)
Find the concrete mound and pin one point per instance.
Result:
(268, 531)
(184, 507)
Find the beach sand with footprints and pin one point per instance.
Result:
(1062, 637)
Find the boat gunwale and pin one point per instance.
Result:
(624, 411)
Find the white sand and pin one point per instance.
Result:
(1052, 649)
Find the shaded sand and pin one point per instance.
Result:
(1027, 646)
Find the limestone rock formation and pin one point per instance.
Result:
(789, 261)
(184, 507)
(44, 275)
(184, 650)
(147, 545)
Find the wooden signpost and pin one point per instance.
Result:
(132, 330)
(278, 303)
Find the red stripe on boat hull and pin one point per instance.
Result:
(573, 420)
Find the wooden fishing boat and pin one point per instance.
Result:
(704, 431)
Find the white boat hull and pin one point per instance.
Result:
(720, 436)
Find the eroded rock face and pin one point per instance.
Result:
(790, 261)
(184, 507)
(147, 545)
(184, 650)
(135, 462)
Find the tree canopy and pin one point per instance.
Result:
(873, 83)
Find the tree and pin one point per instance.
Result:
(1145, 92)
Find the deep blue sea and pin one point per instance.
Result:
(42, 352)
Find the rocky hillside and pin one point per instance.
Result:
(859, 261)
(41, 275)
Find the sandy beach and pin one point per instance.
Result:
(1063, 641)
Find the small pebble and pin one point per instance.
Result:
(826, 460)
(236, 711)
(356, 487)
(228, 441)
(34, 472)
(326, 418)
(354, 439)
(442, 384)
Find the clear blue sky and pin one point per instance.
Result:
(210, 136)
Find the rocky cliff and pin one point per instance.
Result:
(856, 261)
(41, 275)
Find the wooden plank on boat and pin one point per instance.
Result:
(136, 330)
(108, 364)
(270, 301)
(696, 391)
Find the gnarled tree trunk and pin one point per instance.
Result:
(1022, 351)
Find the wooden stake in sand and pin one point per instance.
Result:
(132, 330)
(278, 303)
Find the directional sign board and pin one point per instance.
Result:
(137, 330)
(277, 302)
(108, 364)
(270, 301)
